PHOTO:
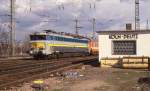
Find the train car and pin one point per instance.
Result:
(93, 46)
(50, 44)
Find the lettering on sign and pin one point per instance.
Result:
(123, 36)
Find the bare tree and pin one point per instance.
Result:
(4, 41)
(26, 44)
(22, 47)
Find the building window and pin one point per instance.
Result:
(124, 48)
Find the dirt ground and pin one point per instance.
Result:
(92, 78)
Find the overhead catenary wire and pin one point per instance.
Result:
(63, 7)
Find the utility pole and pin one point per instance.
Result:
(94, 22)
(137, 15)
(12, 23)
(30, 5)
(77, 27)
(147, 24)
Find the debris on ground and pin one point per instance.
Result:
(90, 79)
(84, 67)
(144, 80)
(39, 85)
(72, 74)
(143, 84)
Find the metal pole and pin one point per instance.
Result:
(76, 26)
(12, 23)
(137, 15)
(147, 25)
(94, 21)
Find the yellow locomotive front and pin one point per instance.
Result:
(37, 45)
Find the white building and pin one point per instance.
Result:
(119, 44)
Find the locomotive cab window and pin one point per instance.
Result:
(38, 37)
(124, 47)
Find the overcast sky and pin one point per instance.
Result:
(59, 15)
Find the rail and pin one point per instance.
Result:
(14, 78)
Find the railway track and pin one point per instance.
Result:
(8, 64)
(15, 63)
(23, 64)
(19, 74)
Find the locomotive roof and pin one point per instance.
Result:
(61, 35)
(66, 34)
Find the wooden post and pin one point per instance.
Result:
(148, 64)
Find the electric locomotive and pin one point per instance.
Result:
(93, 46)
(53, 44)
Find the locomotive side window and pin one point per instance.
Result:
(124, 48)
(56, 38)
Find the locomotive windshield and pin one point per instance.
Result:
(37, 37)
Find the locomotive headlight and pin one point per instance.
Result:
(44, 52)
(31, 52)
